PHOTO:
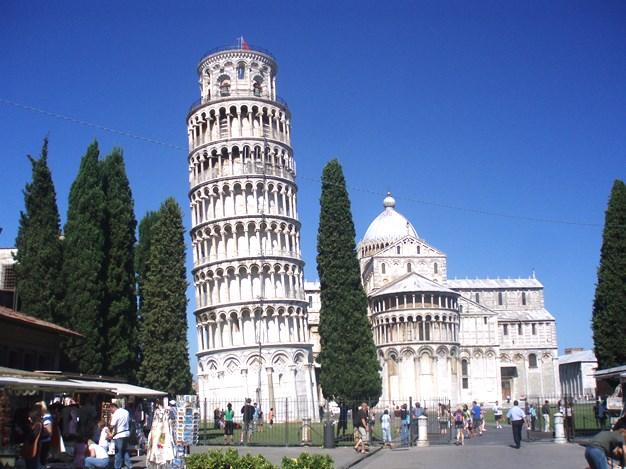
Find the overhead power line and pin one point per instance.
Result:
(153, 141)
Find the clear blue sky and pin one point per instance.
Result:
(458, 108)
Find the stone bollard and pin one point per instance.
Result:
(422, 431)
(559, 430)
(306, 432)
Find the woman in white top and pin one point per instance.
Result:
(104, 434)
(98, 457)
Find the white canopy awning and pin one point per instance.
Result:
(123, 389)
(44, 384)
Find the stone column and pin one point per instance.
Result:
(559, 430)
(270, 389)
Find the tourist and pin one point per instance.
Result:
(417, 413)
(533, 416)
(31, 448)
(476, 418)
(342, 424)
(363, 417)
(121, 434)
(405, 422)
(497, 414)
(516, 417)
(545, 413)
(602, 413)
(259, 419)
(385, 424)
(229, 415)
(467, 416)
(98, 456)
(569, 419)
(604, 446)
(459, 424)
(104, 434)
(444, 419)
(216, 418)
(247, 412)
(482, 418)
(270, 417)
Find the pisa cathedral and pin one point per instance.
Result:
(256, 318)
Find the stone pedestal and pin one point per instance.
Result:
(559, 430)
(422, 432)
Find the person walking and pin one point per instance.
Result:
(229, 415)
(363, 420)
(121, 434)
(476, 419)
(497, 414)
(533, 416)
(604, 446)
(385, 424)
(545, 413)
(516, 417)
(459, 424)
(569, 419)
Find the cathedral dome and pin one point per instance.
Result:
(389, 226)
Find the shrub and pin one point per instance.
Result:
(308, 461)
(230, 459)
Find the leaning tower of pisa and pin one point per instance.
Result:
(247, 269)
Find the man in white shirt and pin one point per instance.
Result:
(98, 457)
(121, 435)
(497, 413)
(516, 416)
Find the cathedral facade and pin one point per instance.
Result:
(438, 338)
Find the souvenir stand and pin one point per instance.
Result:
(187, 426)
(160, 446)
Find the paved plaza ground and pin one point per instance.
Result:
(491, 451)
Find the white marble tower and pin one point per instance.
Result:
(251, 318)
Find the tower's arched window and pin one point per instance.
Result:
(241, 71)
(532, 361)
(408, 267)
(257, 86)
(465, 373)
(383, 269)
(435, 268)
(225, 87)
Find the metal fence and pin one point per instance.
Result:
(290, 422)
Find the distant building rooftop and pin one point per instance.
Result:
(582, 356)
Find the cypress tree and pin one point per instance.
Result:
(120, 302)
(39, 246)
(142, 251)
(165, 361)
(609, 306)
(344, 327)
(83, 266)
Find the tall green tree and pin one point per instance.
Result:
(84, 266)
(39, 247)
(120, 303)
(142, 252)
(165, 361)
(344, 327)
(609, 306)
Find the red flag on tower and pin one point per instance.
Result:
(244, 44)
